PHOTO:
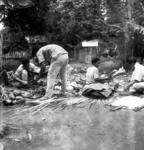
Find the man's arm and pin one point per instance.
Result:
(42, 70)
(129, 85)
(98, 78)
(41, 61)
(24, 79)
(17, 74)
(102, 80)
(24, 82)
(35, 69)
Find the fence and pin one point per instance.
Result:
(12, 60)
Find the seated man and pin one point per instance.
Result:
(95, 87)
(113, 54)
(105, 56)
(25, 72)
(92, 74)
(137, 79)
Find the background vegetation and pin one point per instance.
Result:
(68, 22)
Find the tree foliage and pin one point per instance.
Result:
(70, 21)
(81, 20)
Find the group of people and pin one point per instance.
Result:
(97, 72)
(58, 57)
(136, 82)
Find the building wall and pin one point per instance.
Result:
(12, 60)
(85, 54)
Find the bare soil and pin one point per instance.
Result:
(74, 128)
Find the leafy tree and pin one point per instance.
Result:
(67, 22)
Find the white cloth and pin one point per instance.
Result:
(137, 87)
(130, 102)
(51, 51)
(91, 74)
(138, 73)
(119, 71)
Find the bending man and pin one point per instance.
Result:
(58, 58)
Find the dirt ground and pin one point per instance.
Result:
(74, 128)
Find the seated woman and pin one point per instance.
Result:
(25, 71)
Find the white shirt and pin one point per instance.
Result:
(49, 51)
(91, 74)
(138, 73)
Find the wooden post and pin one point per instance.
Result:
(1, 53)
(130, 4)
(1, 60)
(127, 19)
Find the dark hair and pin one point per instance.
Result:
(131, 60)
(25, 61)
(36, 59)
(105, 54)
(95, 60)
(113, 53)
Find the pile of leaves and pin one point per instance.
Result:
(76, 82)
(76, 79)
(121, 80)
(12, 96)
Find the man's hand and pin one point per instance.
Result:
(42, 66)
(126, 88)
(19, 80)
(14, 76)
(101, 80)
(129, 85)
(105, 78)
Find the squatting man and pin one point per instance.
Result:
(137, 79)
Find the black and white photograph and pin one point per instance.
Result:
(71, 74)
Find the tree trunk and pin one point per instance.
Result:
(1, 53)
(128, 50)
(1, 41)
